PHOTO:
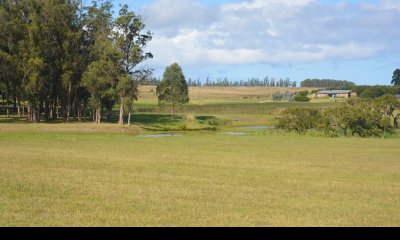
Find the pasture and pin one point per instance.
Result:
(83, 174)
(106, 178)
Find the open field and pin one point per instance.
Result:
(61, 178)
(83, 174)
(201, 95)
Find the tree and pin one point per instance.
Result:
(396, 77)
(130, 42)
(128, 92)
(173, 88)
(97, 80)
(389, 106)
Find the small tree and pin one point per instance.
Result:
(302, 97)
(173, 88)
(396, 77)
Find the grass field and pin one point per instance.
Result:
(83, 174)
(108, 178)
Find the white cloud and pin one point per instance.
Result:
(270, 31)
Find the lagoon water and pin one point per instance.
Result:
(235, 133)
(159, 135)
(257, 127)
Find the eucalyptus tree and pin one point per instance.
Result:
(130, 40)
(102, 73)
(12, 20)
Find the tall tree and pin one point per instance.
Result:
(130, 42)
(396, 77)
(173, 88)
(102, 74)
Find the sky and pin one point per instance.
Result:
(355, 40)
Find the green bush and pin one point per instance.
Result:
(299, 119)
(301, 98)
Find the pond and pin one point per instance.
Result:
(159, 135)
(258, 127)
(236, 133)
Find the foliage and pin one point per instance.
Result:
(302, 97)
(218, 122)
(47, 47)
(173, 88)
(375, 91)
(285, 96)
(396, 77)
(361, 117)
(326, 83)
(299, 119)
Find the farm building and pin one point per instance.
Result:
(336, 94)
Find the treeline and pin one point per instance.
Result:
(326, 83)
(375, 91)
(60, 59)
(370, 91)
(219, 82)
(358, 117)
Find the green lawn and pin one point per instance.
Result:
(113, 178)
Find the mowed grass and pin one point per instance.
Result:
(60, 178)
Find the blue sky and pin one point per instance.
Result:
(347, 40)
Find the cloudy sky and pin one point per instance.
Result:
(349, 40)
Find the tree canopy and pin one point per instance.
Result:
(63, 59)
(326, 83)
(396, 77)
(173, 88)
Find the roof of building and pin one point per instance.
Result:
(335, 92)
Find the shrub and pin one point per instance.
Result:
(286, 96)
(301, 98)
(218, 122)
(299, 119)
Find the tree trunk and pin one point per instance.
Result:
(7, 105)
(18, 107)
(121, 113)
(57, 110)
(34, 114)
(69, 101)
(99, 115)
(29, 113)
(129, 118)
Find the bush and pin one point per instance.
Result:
(359, 117)
(286, 96)
(301, 98)
(303, 93)
(299, 119)
(218, 122)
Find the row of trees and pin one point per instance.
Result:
(326, 83)
(362, 117)
(251, 82)
(59, 58)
